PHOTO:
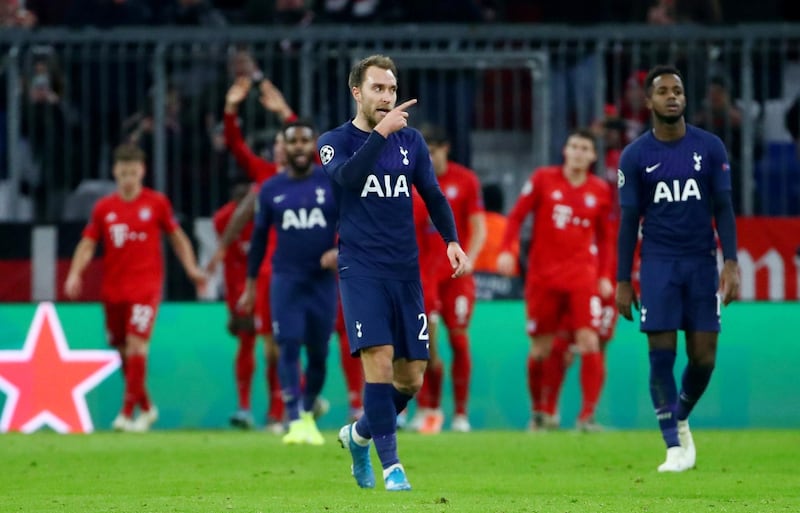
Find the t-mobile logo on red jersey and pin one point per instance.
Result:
(119, 234)
(562, 215)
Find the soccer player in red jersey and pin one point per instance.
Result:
(569, 262)
(452, 300)
(129, 223)
(592, 371)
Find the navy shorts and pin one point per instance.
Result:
(680, 294)
(380, 312)
(303, 308)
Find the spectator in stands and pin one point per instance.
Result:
(45, 122)
(13, 13)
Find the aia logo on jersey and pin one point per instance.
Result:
(389, 187)
(676, 191)
(303, 219)
(145, 214)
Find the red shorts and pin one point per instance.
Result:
(456, 301)
(430, 295)
(130, 318)
(547, 309)
(263, 315)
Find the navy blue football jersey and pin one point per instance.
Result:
(372, 179)
(673, 184)
(304, 212)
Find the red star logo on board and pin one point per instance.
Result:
(45, 382)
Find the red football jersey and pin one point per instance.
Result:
(236, 257)
(571, 243)
(463, 191)
(130, 232)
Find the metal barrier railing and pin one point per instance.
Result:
(506, 94)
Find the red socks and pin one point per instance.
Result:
(535, 378)
(135, 370)
(245, 364)
(553, 370)
(593, 375)
(461, 368)
(275, 412)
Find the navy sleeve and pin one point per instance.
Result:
(435, 201)
(349, 171)
(626, 243)
(628, 178)
(726, 224)
(258, 240)
(258, 246)
(720, 167)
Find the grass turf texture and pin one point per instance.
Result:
(565, 472)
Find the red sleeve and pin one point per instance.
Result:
(475, 204)
(220, 218)
(604, 238)
(525, 205)
(168, 222)
(95, 226)
(256, 168)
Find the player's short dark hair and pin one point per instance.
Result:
(434, 134)
(359, 69)
(129, 152)
(584, 133)
(301, 123)
(657, 71)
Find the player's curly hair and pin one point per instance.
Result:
(657, 71)
(359, 69)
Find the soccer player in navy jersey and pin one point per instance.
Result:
(301, 205)
(676, 179)
(373, 161)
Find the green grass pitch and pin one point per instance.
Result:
(503, 472)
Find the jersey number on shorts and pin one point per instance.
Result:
(142, 316)
(423, 331)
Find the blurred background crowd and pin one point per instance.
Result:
(507, 78)
(215, 13)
